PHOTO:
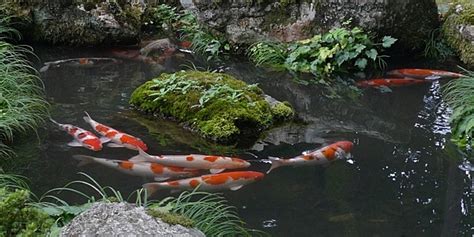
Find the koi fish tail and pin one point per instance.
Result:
(151, 188)
(87, 118)
(84, 160)
(276, 162)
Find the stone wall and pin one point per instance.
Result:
(249, 21)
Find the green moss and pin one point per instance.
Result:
(171, 218)
(19, 219)
(283, 111)
(463, 46)
(216, 105)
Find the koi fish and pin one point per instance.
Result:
(82, 138)
(427, 74)
(215, 164)
(78, 62)
(157, 171)
(389, 82)
(322, 156)
(211, 182)
(118, 138)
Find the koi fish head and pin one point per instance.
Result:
(345, 145)
(134, 142)
(93, 144)
(240, 163)
(252, 175)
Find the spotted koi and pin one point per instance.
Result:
(322, 156)
(157, 171)
(119, 139)
(82, 137)
(211, 182)
(215, 164)
(427, 74)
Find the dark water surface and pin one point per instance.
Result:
(404, 179)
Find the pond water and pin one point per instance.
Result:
(404, 178)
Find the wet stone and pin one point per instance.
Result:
(123, 219)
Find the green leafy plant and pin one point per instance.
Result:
(458, 94)
(339, 50)
(436, 47)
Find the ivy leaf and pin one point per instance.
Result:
(387, 41)
(361, 63)
(372, 54)
(359, 47)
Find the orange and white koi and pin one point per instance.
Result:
(211, 182)
(427, 74)
(157, 171)
(82, 137)
(389, 82)
(118, 138)
(215, 164)
(322, 156)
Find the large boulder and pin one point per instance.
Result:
(244, 21)
(458, 30)
(123, 219)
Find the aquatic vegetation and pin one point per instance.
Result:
(436, 47)
(337, 51)
(459, 95)
(217, 106)
(22, 106)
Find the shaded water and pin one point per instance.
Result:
(403, 180)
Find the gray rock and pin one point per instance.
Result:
(123, 219)
(244, 21)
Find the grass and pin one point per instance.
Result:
(207, 212)
(459, 95)
(22, 106)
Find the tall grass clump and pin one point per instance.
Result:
(459, 94)
(22, 106)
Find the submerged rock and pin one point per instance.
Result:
(458, 30)
(215, 105)
(123, 219)
(244, 21)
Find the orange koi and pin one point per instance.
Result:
(82, 137)
(119, 139)
(336, 151)
(389, 82)
(212, 182)
(427, 74)
(215, 164)
(157, 171)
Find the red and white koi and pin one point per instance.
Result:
(157, 171)
(427, 74)
(215, 164)
(82, 137)
(118, 138)
(211, 182)
(389, 82)
(322, 156)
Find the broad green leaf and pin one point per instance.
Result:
(361, 63)
(359, 47)
(372, 54)
(387, 41)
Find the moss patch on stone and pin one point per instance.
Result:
(216, 105)
(171, 218)
(451, 31)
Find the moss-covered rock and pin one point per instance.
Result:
(171, 218)
(458, 30)
(216, 105)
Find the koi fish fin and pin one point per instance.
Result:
(104, 140)
(74, 143)
(276, 162)
(215, 171)
(114, 145)
(234, 188)
(54, 121)
(145, 155)
(84, 160)
(158, 178)
(151, 188)
(137, 158)
(44, 68)
(87, 118)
